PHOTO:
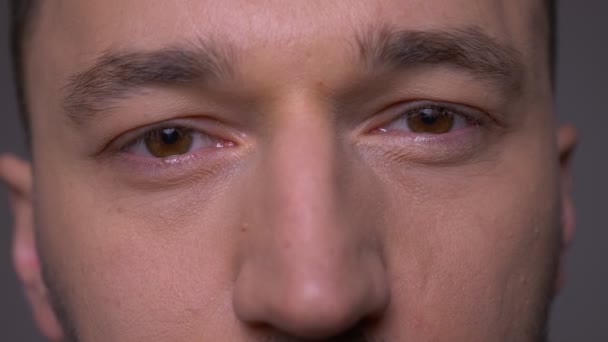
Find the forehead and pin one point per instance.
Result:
(270, 35)
(88, 26)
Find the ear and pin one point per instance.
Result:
(566, 143)
(17, 175)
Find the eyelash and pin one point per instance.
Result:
(473, 117)
(145, 170)
(200, 128)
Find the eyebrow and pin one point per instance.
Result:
(469, 49)
(117, 74)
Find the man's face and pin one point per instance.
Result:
(277, 171)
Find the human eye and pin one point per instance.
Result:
(432, 119)
(172, 141)
(432, 132)
(171, 152)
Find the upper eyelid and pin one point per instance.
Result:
(468, 112)
(398, 109)
(395, 111)
(140, 137)
(133, 136)
(457, 109)
(477, 116)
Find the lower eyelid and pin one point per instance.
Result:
(458, 145)
(158, 174)
(442, 138)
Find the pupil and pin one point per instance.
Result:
(170, 136)
(432, 116)
(428, 118)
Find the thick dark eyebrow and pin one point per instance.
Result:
(116, 74)
(469, 49)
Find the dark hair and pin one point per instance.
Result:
(20, 13)
(23, 10)
(552, 37)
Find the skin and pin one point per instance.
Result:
(312, 224)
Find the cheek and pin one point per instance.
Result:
(157, 262)
(472, 252)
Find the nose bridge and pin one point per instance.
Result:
(308, 270)
(302, 185)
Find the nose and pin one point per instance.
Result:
(310, 264)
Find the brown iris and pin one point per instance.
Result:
(166, 142)
(431, 120)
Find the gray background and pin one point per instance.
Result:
(580, 311)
